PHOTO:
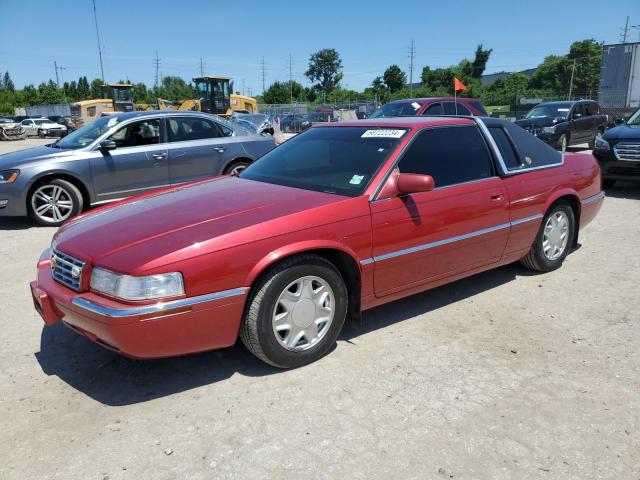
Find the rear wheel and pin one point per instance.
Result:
(563, 143)
(592, 143)
(235, 168)
(553, 241)
(40, 134)
(296, 312)
(53, 202)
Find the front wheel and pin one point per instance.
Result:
(553, 241)
(296, 312)
(563, 143)
(53, 202)
(40, 134)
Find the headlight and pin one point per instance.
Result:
(128, 287)
(9, 176)
(549, 129)
(602, 144)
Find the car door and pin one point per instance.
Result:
(29, 126)
(579, 124)
(460, 225)
(138, 163)
(199, 147)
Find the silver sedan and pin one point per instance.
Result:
(121, 155)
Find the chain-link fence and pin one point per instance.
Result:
(296, 117)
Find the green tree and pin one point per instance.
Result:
(7, 83)
(325, 68)
(588, 58)
(83, 88)
(281, 92)
(394, 78)
(480, 61)
(96, 90)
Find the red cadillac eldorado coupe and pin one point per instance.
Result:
(341, 218)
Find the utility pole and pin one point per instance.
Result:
(263, 67)
(573, 71)
(156, 64)
(201, 68)
(95, 18)
(250, 91)
(243, 87)
(64, 93)
(55, 65)
(625, 31)
(290, 80)
(638, 27)
(412, 54)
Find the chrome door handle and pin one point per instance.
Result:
(219, 149)
(159, 156)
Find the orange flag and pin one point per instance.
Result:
(458, 86)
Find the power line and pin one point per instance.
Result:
(95, 18)
(412, 54)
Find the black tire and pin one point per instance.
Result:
(608, 183)
(592, 143)
(256, 331)
(235, 167)
(536, 259)
(40, 134)
(563, 142)
(70, 191)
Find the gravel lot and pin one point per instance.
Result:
(505, 375)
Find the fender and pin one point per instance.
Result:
(562, 192)
(295, 248)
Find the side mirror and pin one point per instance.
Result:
(619, 121)
(414, 183)
(107, 145)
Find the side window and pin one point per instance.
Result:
(588, 109)
(26, 123)
(146, 132)
(91, 111)
(434, 109)
(509, 155)
(183, 129)
(226, 131)
(577, 111)
(450, 109)
(450, 155)
(534, 152)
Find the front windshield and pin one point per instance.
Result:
(88, 134)
(397, 109)
(203, 88)
(339, 160)
(555, 111)
(634, 119)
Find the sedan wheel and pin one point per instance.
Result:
(552, 242)
(303, 313)
(236, 168)
(295, 312)
(54, 202)
(562, 143)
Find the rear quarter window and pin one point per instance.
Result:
(532, 152)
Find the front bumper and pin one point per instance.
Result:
(143, 331)
(13, 201)
(613, 169)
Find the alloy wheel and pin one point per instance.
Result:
(52, 203)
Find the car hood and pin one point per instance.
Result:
(22, 158)
(139, 234)
(622, 132)
(539, 122)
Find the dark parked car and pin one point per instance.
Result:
(434, 106)
(618, 152)
(121, 155)
(316, 117)
(562, 124)
(291, 122)
(62, 120)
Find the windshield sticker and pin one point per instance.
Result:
(415, 105)
(356, 179)
(563, 109)
(383, 133)
(112, 121)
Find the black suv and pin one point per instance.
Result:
(618, 152)
(561, 124)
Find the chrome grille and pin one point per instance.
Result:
(627, 151)
(66, 270)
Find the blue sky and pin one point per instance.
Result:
(233, 37)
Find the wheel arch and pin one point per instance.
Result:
(62, 175)
(342, 257)
(238, 159)
(571, 197)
